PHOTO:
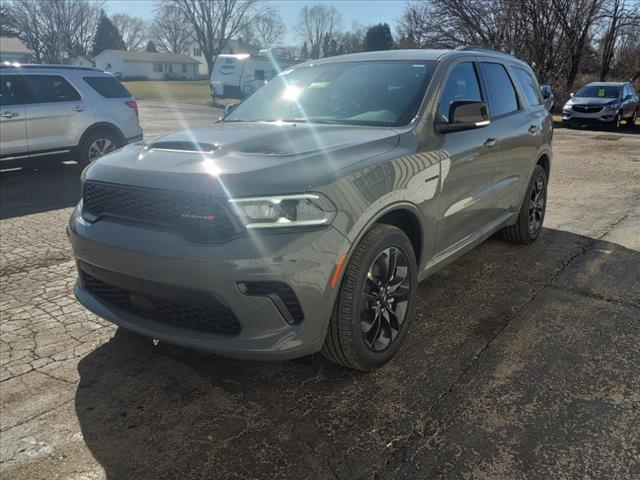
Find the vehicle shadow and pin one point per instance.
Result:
(166, 412)
(28, 190)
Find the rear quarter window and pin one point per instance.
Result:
(108, 87)
(528, 85)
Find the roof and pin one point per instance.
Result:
(414, 54)
(150, 56)
(607, 84)
(36, 66)
(13, 45)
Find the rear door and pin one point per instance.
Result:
(57, 115)
(13, 130)
(519, 129)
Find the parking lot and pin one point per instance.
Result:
(522, 362)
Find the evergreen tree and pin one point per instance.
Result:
(151, 47)
(378, 37)
(107, 36)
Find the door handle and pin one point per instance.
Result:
(533, 129)
(8, 114)
(490, 142)
(79, 108)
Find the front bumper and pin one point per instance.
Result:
(601, 117)
(305, 261)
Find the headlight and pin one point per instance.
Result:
(304, 210)
(568, 104)
(612, 106)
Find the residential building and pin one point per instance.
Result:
(147, 65)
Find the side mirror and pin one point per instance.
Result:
(229, 108)
(628, 97)
(465, 115)
(571, 94)
(546, 94)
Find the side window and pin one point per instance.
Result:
(502, 95)
(528, 85)
(7, 90)
(49, 89)
(259, 74)
(462, 84)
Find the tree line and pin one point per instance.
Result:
(563, 40)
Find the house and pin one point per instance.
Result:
(13, 50)
(147, 65)
(80, 61)
(234, 46)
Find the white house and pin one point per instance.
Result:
(80, 61)
(13, 50)
(147, 65)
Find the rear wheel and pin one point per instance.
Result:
(376, 301)
(529, 223)
(98, 144)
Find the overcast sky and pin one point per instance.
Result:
(362, 11)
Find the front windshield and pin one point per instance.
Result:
(599, 91)
(378, 93)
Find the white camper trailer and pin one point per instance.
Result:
(242, 74)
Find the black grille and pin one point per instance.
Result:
(199, 218)
(587, 108)
(276, 290)
(212, 318)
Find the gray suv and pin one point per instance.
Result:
(602, 103)
(55, 111)
(304, 220)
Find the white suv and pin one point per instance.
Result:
(56, 111)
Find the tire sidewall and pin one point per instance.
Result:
(83, 157)
(366, 357)
(537, 171)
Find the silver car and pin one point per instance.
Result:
(602, 103)
(52, 112)
(303, 221)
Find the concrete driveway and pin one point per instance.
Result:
(523, 362)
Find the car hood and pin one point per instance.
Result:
(591, 100)
(239, 159)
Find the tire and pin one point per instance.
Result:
(617, 121)
(356, 310)
(523, 232)
(631, 121)
(86, 151)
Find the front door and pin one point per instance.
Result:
(470, 161)
(56, 113)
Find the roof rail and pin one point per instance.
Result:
(482, 49)
(43, 66)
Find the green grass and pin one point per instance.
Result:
(195, 92)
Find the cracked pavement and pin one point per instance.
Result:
(522, 362)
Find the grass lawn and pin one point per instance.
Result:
(194, 92)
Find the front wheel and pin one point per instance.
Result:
(96, 145)
(376, 301)
(531, 216)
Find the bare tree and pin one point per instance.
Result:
(170, 29)
(55, 30)
(133, 30)
(214, 22)
(315, 24)
(618, 17)
(268, 27)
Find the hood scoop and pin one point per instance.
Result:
(181, 146)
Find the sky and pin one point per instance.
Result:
(361, 11)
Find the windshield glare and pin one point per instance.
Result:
(599, 91)
(379, 93)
